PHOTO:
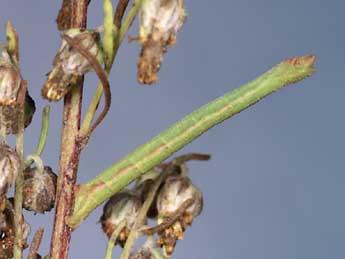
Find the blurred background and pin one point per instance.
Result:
(275, 185)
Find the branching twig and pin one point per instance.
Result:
(70, 150)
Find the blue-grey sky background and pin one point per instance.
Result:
(275, 186)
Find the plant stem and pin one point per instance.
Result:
(44, 130)
(36, 242)
(136, 232)
(99, 91)
(119, 175)
(112, 239)
(18, 194)
(43, 138)
(69, 150)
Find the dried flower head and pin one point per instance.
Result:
(10, 115)
(10, 80)
(9, 166)
(69, 64)
(160, 20)
(7, 230)
(177, 190)
(122, 206)
(39, 189)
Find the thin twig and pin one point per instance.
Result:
(171, 220)
(113, 238)
(98, 93)
(43, 136)
(36, 242)
(101, 75)
(18, 195)
(70, 150)
(119, 12)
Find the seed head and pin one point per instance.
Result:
(9, 166)
(160, 20)
(39, 189)
(10, 115)
(7, 230)
(122, 206)
(69, 64)
(177, 190)
(10, 80)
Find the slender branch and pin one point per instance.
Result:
(99, 91)
(43, 137)
(119, 12)
(44, 130)
(119, 175)
(36, 242)
(18, 195)
(112, 239)
(70, 147)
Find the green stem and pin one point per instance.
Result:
(43, 138)
(99, 91)
(44, 130)
(120, 174)
(136, 231)
(112, 239)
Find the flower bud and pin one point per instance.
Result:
(10, 80)
(177, 189)
(124, 205)
(69, 64)
(39, 189)
(7, 230)
(160, 20)
(9, 166)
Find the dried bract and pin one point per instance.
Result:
(177, 190)
(9, 166)
(39, 189)
(122, 206)
(160, 20)
(69, 64)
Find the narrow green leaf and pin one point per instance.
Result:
(119, 175)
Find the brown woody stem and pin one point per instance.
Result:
(70, 146)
